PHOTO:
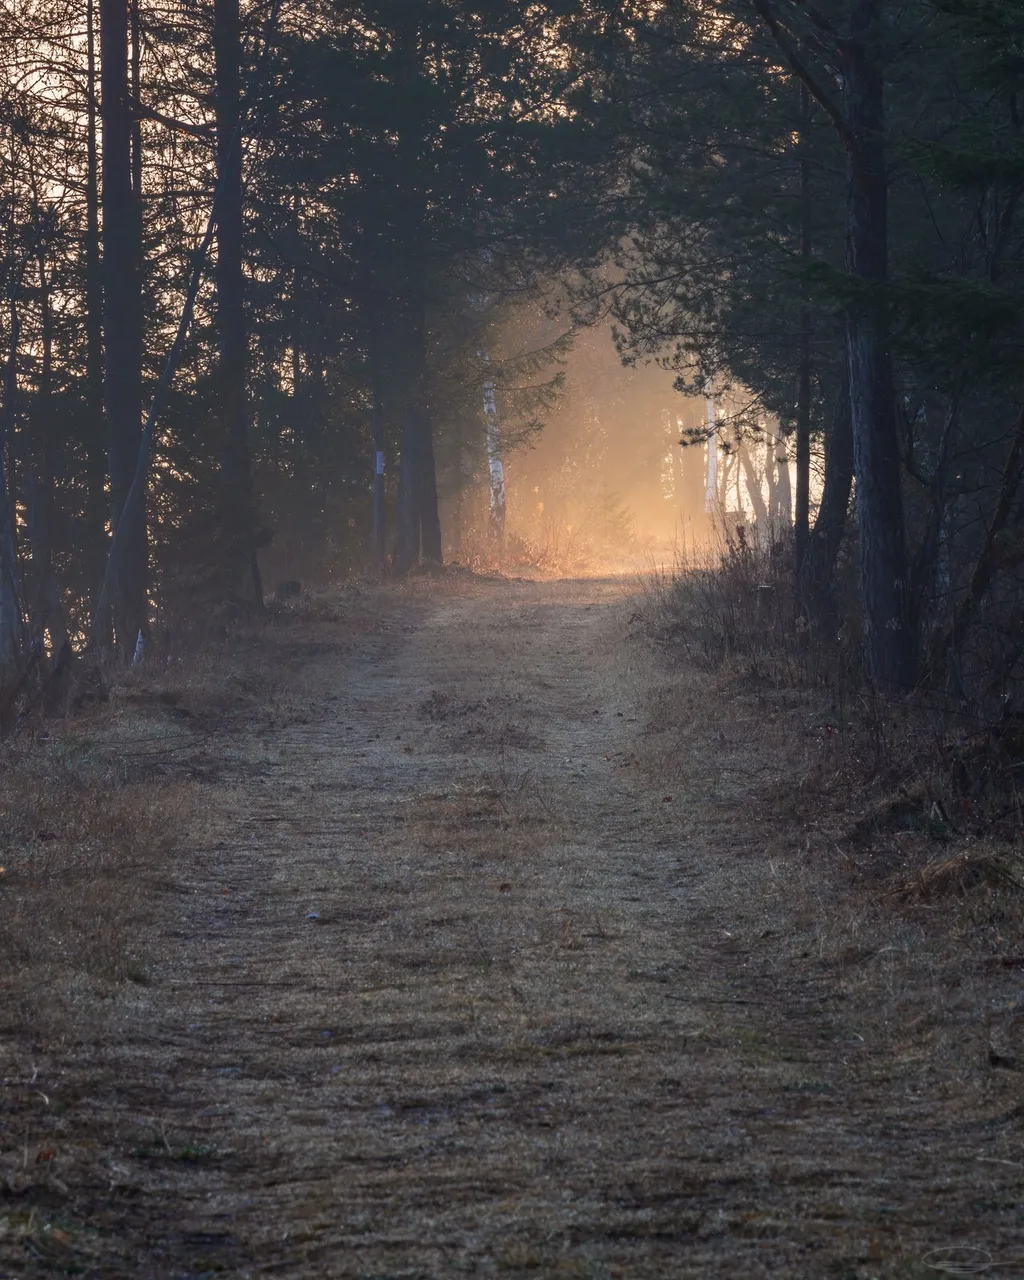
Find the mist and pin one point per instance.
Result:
(607, 464)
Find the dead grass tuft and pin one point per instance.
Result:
(959, 875)
(494, 819)
(895, 874)
(79, 848)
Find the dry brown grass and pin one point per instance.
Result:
(98, 810)
(93, 806)
(595, 991)
(77, 848)
(910, 902)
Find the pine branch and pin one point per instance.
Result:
(803, 73)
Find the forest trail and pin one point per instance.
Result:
(448, 985)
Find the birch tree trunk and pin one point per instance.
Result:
(495, 467)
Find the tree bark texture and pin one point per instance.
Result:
(889, 640)
(122, 320)
(239, 515)
(951, 641)
(379, 479)
(10, 602)
(817, 569)
(430, 516)
(778, 459)
(47, 614)
(495, 468)
(418, 522)
(802, 511)
(96, 450)
(407, 533)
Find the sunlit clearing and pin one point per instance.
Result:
(618, 470)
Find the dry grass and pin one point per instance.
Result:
(864, 859)
(596, 991)
(93, 808)
(99, 812)
(78, 847)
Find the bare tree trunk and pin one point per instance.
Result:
(236, 469)
(135, 72)
(783, 513)
(951, 641)
(122, 322)
(770, 471)
(753, 486)
(407, 541)
(889, 638)
(379, 492)
(688, 470)
(802, 513)
(721, 495)
(96, 451)
(418, 519)
(430, 516)
(419, 524)
(47, 614)
(711, 487)
(817, 569)
(10, 600)
(495, 467)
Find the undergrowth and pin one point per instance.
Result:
(98, 792)
(924, 792)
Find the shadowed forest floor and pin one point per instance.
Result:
(492, 952)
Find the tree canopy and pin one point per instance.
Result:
(289, 236)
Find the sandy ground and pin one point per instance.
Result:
(458, 976)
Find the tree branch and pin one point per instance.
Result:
(803, 74)
(143, 112)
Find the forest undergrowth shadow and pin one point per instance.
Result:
(913, 804)
(877, 842)
(934, 761)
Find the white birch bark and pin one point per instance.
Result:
(495, 464)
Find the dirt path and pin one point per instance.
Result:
(449, 987)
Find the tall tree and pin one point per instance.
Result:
(122, 321)
(238, 503)
(96, 452)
